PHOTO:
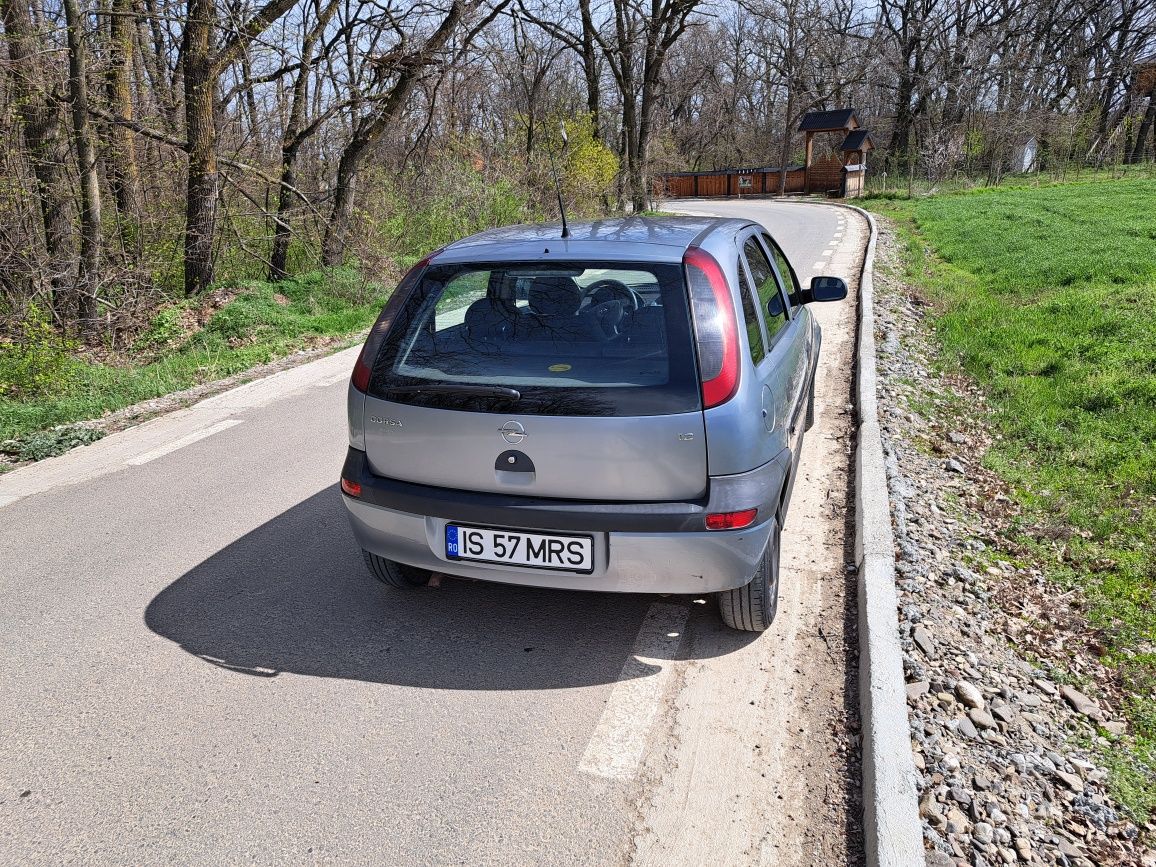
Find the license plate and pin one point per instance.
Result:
(518, 548)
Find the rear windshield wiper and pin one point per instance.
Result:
(448, 388)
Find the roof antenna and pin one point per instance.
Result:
(557, 182)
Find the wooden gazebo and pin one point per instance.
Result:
(837, 175)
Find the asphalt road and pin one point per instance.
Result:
(196, 667)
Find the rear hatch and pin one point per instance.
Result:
(573, 380)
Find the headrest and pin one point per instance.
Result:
(486, 310)
(555, 295)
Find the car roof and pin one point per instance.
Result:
(644, 239)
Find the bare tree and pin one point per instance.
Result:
(42, 118)
(203, 63)
(91, 240)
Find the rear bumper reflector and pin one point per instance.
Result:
(731, 520)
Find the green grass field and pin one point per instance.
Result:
(1047, 298)
(261, 322)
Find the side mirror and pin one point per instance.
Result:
(826, 289)
(775, 305)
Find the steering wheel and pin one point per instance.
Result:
(601, 291)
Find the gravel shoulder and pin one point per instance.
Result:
(1009, 729)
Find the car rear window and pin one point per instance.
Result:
(558, 338)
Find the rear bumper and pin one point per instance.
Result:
(638, 547)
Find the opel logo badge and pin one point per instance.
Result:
(512, 432)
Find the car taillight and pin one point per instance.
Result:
(363, 367)
(715, 327)
(731, 520)
(351, 488)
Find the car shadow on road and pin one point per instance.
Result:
(294, 596)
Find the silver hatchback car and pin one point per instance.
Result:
(621, 410)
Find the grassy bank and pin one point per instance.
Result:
(1047, 298)
(47, 383)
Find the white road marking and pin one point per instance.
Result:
(827, 253)
(619, 740)
(819, 266)
(187, 439)
(126, 447)
(837, 235)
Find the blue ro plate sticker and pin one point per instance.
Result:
(451, 540)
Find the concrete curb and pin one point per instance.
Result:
(892, 831)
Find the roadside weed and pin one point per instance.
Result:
(1047, 298)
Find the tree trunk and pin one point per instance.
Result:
(901, 132)
(630, 142)
(785, 150)
(279, 257)
(641, 178)
(200, 127)
(344, 193)
(88, 274)
(291, 141)
(157, 65)
(124, 177)
(44, 135)
(590, 68)
(1146, 126)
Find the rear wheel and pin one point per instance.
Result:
(395, 574)
(752, 608)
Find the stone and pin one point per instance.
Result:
(1023, 847)
(981, 718)
(965, 727)
(1070, 780)
(983, 832)
(922, 639)
(956, 822)
(1070, 849)
(1115, 727)
(968, 694)
(916, 689)
(956, 438)
(1004, 713)
(1044, 685)
(980, 782)
(960, 795)
(936, 858)
(954, 466)
(1080, 703)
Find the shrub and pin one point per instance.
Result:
(165, 329)
(38, 361)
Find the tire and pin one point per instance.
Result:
(752, 608)
(395, 574)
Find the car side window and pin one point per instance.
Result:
(785, 269)
(767, 287)
(751, 317)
